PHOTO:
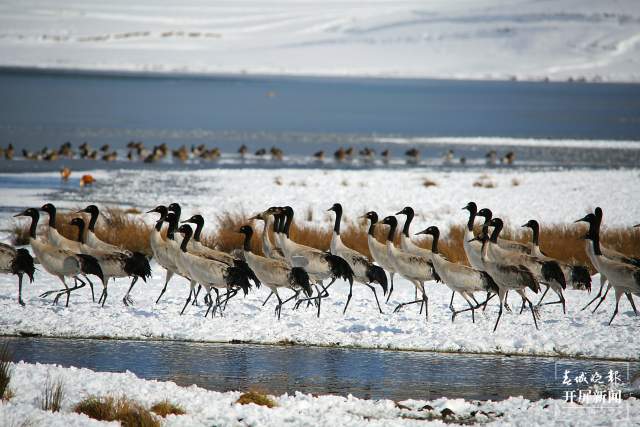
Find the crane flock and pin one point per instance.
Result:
(496, 265)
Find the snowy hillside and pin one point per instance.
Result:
(486, 39)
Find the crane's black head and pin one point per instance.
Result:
(174, 207)
(287, 210)
(91, 209)
(408, 210)
(432, 230)
(598, 212)
(32, 212)
(161, 209)
(496, 222)
(532, 223)
(48, 208)
(185, 229)
(588, 218)
(372, 216)
(273, 210)
(337, 208)
(78, 222)
(390, 220)
(246, 230)
(471, 207)
(486, 213)
(195, 219)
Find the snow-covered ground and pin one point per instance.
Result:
(206, 408)
(488, 39)
(551, 197)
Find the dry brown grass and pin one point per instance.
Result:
(128, 412)
(52, 395)
(115, 226)
(164, 408)
(256, 398)
(563, 242)
(5, 372)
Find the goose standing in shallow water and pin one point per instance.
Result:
(379, 250)
(115, 264)
(17, 262)
(460, 278)
(60, 262)
(274, 273)
(364, 271)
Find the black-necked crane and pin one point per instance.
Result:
(379, 250)
(623, 277)
(268, 248)
(160, 248)
(59, 262)
(16, 261)
(509, 245)
(320, 265)
(460, 278)
(115, 264)
(211, 273)
(546, 271)
(576, 276)
(364, 271)
(472, 248)
(415, 268)
(508, 277)
(273, 273)
(595, 220)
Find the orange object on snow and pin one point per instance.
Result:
(65, 173)
(86, 180)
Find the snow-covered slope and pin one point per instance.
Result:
(206, 408)
(447, 39)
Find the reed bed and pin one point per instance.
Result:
(128, 230)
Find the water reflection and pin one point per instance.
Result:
(361, 372)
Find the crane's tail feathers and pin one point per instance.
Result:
(90, 265)
(529, 279)
(376, 274)
(247, 270)
(580, 277)
(340, 268)
(551, 271)
(237, 276)
(299, 277)
(138, 265)
(434, 273)
(23, 263)
(489, 283)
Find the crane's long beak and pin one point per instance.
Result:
(583, 219)
(524, 225)
(20, 214)
(421, 232)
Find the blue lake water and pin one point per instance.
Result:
(365, 373)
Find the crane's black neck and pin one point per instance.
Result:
(171, 219)
(199, 227)
(52, 217)
(374, 221)
(472, 217)
(159, 224)
(497, 228)
(35, 216)
(436, 236)
(336, 225)
(407, 223)
(93, 220)
(392, 231)
(185, 239)
(535, 228)
(80, 225)
(247, 240)
(287, 223)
